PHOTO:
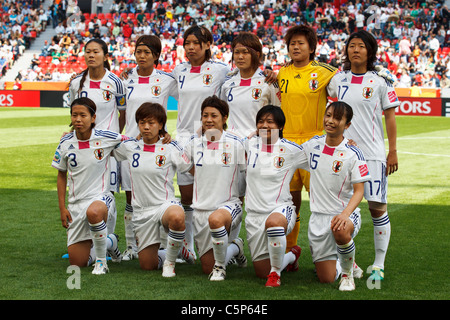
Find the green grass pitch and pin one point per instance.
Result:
(33, 240)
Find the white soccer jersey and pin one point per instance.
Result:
(217, 165)
(245, 97)
(269, 172)
(369, 95)
(333, 170)
(108, 95)
(152, 170)
(155, 88)
(86, 163)
(195, 84)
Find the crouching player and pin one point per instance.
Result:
(82, 159)
(271, 163)
(338, 172)
(217, 157)
(152, 167)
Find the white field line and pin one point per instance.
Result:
(423, 138)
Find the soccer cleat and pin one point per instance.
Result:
(129, 254)
(114, 253)
(100, 267)
(273, 280)
(240, 258)
(347, 283)
(168, 269)
(218, 273)
(292, 267)
(186, 254)
(357, 271)
(377, 274)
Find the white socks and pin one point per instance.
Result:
(174, 242)
(99, 233)
(276, 238)
(129, 233)
(189, 216)
(346, 257)
(219, 239)
(382, 234)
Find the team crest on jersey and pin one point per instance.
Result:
(337, 166)
(256, 93)
(99, 154)
(107, 95)
(313, 84)
(207, 79)
(160, 160)
(367, 92)
(156, 90)
(278, 162)
(226, 158)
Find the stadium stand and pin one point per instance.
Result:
(413, 36)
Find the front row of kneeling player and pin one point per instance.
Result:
(216, 158)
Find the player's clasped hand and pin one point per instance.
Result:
(338, 222)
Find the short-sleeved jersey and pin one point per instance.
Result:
(369, 95)
(304, 98)
(152, 170)
(155, 88)
(245, 97)
(333, 170)
(108, 95)
(195, 84)
(269, 171)
(86, 163)
(217, 165)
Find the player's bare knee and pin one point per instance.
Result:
(276, 220)
(148, 265)
(377, 209)
(215, 220)
(177, 222)
(342, 236)
(326, 277)
(94, 216)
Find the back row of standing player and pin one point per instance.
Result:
(302, 95)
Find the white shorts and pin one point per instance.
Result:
(114, 182)
(376, 188)
(78, 229)
(125, 176)
(185, 179)
(202, 233)
(147, 224)
(255, 224)
(321, 239)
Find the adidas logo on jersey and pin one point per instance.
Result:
(298, 76)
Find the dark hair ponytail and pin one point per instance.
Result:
(106, 65)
